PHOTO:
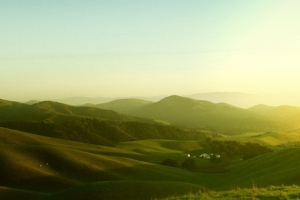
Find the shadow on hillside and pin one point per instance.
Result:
(142, 181)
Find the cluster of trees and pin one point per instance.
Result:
(215, 166)
(189, 163)
(233, 148)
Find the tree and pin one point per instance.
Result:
(189, 164)
(170, 162)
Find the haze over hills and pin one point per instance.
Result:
(177, 110)
(239, 99)
(76, 101)
(287, 114)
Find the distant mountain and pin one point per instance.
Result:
(199, 114)
(31, 102)
(246, 100)
(75, 101)
(173, 110)
(286, 114)
(239, 99)
(55, 112)
(126, 106)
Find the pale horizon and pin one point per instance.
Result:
(61, 49)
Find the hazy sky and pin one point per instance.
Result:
(117, 48)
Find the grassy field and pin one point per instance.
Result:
(37, 167)
(40, 166)
(254, 193)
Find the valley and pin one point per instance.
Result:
(51, 150)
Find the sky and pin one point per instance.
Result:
(122, 48)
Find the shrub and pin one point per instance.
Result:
(170, 162)
(189, 164)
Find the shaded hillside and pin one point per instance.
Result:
(103, 132)
(37, 166)
(85, 124)
(126, 106)
(276, 167)
(33, 166)
(286, 114)
(206, 115)
(133, 190)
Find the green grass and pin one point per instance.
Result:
(266, 138)
(138, 190)
(11, 194)
(279, 167)
(253, 193)
(37, 166)
(40, 164)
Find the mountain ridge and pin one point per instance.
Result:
(202, 114)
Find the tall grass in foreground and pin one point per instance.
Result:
(254, 193)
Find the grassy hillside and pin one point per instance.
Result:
(39, 164)
(266, 193)
(9, 193)
(271, 168)
(161, 146)
(36, 166)
(138, 190)
(279, 167)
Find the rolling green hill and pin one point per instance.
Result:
(40, 166)
(133, 190)
(278, 167)
(33, 166)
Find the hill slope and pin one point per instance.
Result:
(34, 166)
(39, 166)
(104, 132)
